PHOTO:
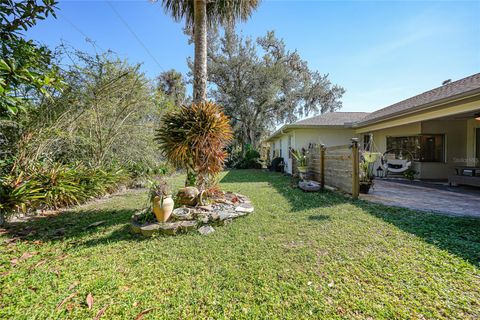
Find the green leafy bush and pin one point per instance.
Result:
(50, 185)
(251, 160)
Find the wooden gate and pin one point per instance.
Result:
(336, 167)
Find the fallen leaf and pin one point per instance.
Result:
(144, 312)
(331, 284)
(66, 299)
(73, 285)
(14, 262)
(70, 307)
(95, 224)
(63, 256)
(4, 274)
(10, 240)
(100, 312)
(89, 301)
(135, 304)
(27, 255)
(37, 242)
(39, 263)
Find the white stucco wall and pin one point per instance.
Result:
(301, 138)
(328, 137)
(455, 132)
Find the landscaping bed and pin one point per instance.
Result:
(202, 218)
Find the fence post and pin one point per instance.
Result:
(355, 169)
(322, 166)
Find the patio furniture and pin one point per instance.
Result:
(397, 165)
(396, 161)
(469, 176)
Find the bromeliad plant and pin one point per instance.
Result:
(194, 138)
(301, 158)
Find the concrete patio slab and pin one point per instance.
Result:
(424, 197)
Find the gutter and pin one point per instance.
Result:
(430, 105)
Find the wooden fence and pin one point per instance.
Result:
(337, 167)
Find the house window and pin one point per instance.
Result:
(366, 142)
(422, 148)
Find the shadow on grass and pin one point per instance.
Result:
(458, 235)
(72, 225)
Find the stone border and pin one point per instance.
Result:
(201, 218)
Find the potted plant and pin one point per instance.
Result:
(161, 198)
(301, 159)
(366, 171)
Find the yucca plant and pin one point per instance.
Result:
(18, 193)
(194, 138)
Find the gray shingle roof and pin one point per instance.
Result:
(329, 119)
(449, 91)
(332, 119)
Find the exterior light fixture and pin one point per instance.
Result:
(477, 116)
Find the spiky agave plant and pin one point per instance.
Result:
(194, 138)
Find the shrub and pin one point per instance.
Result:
(251, 160)
(194, 137)
(17, 194)
(46, 185)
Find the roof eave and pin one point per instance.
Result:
(461, 96)
(286, 128)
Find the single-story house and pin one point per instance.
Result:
(330, 129)
(439, 129)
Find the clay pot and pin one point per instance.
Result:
(162, 209)
(188, 196)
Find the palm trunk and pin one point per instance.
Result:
(200, 64)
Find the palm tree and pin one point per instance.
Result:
(200, 14)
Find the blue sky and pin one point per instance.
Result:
(380, 51)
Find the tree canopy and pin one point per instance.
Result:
(172, 84)
(261, 84)
(26, 68)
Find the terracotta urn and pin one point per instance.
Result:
(162, 208)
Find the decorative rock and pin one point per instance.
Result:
(188, 196)
(310, 186)
(169, 228)
(203, 218)
(214, 216)
(245, 208)
(224, 215)
(150, 229)
(205, 230)
(188, 225)
(182, 214)
(206, 208)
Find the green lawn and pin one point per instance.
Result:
(297, 256)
